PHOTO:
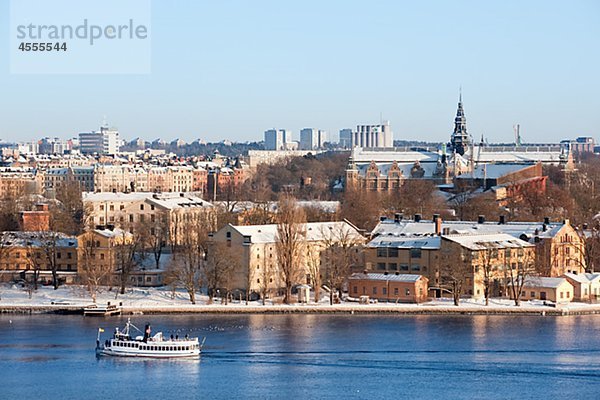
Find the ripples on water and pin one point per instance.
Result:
(314, 356)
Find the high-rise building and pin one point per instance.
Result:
(278, 139)
(373, 136)
(312, 139)
(345, 138)
(104, 142)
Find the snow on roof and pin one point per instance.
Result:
(315, 231)
(488, 241)
(37, 239)
(109, 196)
(112, 233)
(408, 228)
(387, 277)
(493, 171)
(583, 278)
(174, 202)
(543, 282)
(425, 243)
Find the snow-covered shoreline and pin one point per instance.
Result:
(70, 299)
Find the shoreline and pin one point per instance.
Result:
(316, 309)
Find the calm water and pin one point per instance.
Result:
(309, 357)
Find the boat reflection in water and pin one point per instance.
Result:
(122, 344)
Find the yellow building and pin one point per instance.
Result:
(256, 245)
(26, 254)
(125, 210)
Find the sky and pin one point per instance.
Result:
(232, 69)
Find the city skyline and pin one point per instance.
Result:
(315, 65)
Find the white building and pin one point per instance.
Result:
(312, 139)
(373, 136)
(104, 142)
(278, 139)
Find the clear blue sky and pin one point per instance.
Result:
(231, 69)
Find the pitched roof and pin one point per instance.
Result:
(488, 241)
(543, 282)
(387, 277)
(315, 231)
(409, 228)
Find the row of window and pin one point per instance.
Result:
(154, 348)
(383, 291)
(38, 255)
(401, 267)
(393, 252)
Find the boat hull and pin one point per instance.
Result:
(148, 354)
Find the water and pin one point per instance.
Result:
(309, 357)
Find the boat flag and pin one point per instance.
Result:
(100, 330)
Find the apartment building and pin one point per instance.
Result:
(256, 246)
(30, 255)
(125, 210)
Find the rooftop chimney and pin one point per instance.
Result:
(437, 223)
(502, 220)
(546, 221)
(481, 219)
(417, 217)
(382, 218)
(398, 217)
(446, 231)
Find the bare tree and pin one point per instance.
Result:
(291, 238)
(6, 247)
(313, 264)
(219, 268)
(341, 251)
(93, 270)
(519, 271)
(155, 235)
(453, 273)
(51, 245)
(189, 253)
(487, 268)
(128, 246)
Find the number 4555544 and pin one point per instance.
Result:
(43, 46)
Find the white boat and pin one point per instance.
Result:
(122, 344)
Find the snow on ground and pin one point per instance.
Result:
(164, 300)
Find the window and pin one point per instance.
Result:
(130, 217)
(415, 253)
(141, 207)
(393, 252)
(396, 291)
(562, 295)
(407, 291)
(355, 289)
(69, 255)
(532, 294)
(415, 267)
(228, 235)
(102, 256)
(101, 207)
(403, 267)
(148, 279)
(112, 207)
(121, 207)
(393, 267)
(382, 252)
(381, 266)
(384, 291)
(374, 289)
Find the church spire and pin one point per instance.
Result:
(460, 137)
